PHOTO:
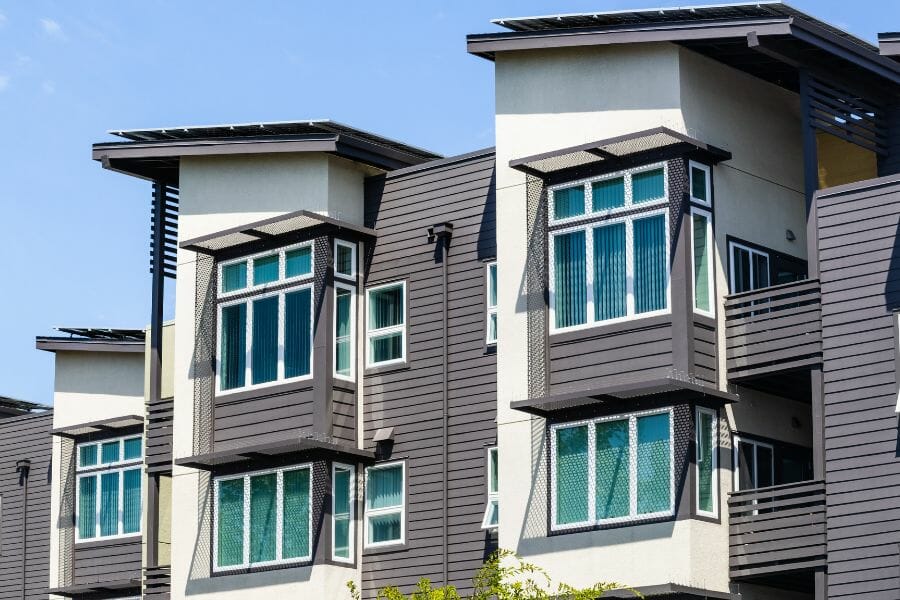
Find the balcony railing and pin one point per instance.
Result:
(157, 583)
(777, 530)
(773, 330)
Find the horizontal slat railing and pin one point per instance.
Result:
(774, 329)
(157, 583)
(158, 454)
(777, 530)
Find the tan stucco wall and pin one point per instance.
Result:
(167, 380)
(94, 386)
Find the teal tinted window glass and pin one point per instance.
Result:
(608, 194)
(230, 530)
(494, 482)
(568, 202)
(384, 528)
(610, 272)
(109, 504)
(297, 333)
(263, 517)
(342, 330)
(492, 285)
(131, 501)
(494, 516)
(386, 347)
(698, 184)
(570, 279)
(650, 264)
(265, 269)
(132, 448)
(234, 277)
(384, 487)
(109, 452)
(386, 307)
(233, 346)
(298, 262)
(492, 328)
(654, 468)
(341, 494)
(265, 340)
(701, 263)
(648, 185)
(613, 495)
(343, 260)
(87, 456)
(572, 475)
(705, 450)
(295, 534)
(87, 507)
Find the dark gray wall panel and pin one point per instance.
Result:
(402, 208)
(26, 437)
(96, 562)
(860, 283)
(262, 417)
(705, 361)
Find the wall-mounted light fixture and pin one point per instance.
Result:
(790, 235)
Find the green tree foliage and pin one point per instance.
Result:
(505, 576)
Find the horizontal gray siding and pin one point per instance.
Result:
(97, 562)
(860, 284)
(401, 208)
(259, 416)
(344, 417)
(705, 362)
(158, 453)
(25, 437)
(609, 355)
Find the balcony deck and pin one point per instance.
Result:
(773, 330)
(777, 531)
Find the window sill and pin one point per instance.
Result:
(386, 549)
(617, 525)
(300, 385)
(384, 369)
(262, 569)
(110, 541)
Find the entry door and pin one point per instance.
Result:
(754, 464)
(749, 269)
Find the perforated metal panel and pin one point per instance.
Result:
(204, 353)
(535, 281)
(66, 512)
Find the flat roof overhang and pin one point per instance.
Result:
(544, 406)
(272, 450)
(106, 587)
(62, 344)
(110, 425)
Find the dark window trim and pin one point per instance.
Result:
(774, 257)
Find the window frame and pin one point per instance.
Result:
(493, 497)
(633, 516)
(731, 264)
(736, 476)
(352, 335)
(251, 288)
(248, 328)
(100, 468)
(353, 268)
(491, 310)
(279, 519)
(351, 558)
(401, 508)
(629, 204)
(714, 480)
(707, 173)
(588, 228)
(711, 263)
(402, 328)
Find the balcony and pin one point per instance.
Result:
(778, 532)
(773, 331)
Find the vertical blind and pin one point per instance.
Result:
(610, 272)
(296, 503)
(608, 194)
(701, 262)
(87, 507)
(131, 501)
(572, 475)
(298, 262)
(648, 185)
(568, 202)
(341, 493)
(264, 361)
(265, 269)
(233, 346)
(650, 264)
(343, 336)
(263, 517)
(230, 531)
(384, 491)
(705, 450)
(570, 279)
(612, 466)
(386, 310)
(653, 464)
(297, 333)
(234, 277)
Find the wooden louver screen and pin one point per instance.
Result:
(169, 229)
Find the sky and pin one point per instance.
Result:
(74, 239)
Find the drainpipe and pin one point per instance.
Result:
(23, 468)
(442, 234)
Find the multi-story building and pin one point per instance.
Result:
(655, 325)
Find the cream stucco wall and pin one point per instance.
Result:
(550, 99)
(94, 386)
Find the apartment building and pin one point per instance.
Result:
(655, 324)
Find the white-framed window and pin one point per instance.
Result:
(491, 326)
(611, 193)
(266, 269)
(262, 518)
(343, 499)
(700, 183)
(707, 452)
(612, 469)
(754, 464)
(702, 250)
(385, 517)
(609, 271)
(265, 339)
(344, 259)
(491, 517)
(344, 331)
(386, 324)
(749, 268)
(108, 488)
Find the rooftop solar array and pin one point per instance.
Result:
(108, 335)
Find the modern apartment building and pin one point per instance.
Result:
(655, 325)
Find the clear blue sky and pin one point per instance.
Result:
(74, 238)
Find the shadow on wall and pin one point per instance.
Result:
(892, 283)
(487, 231)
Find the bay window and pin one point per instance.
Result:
(612, 469)
(702, 249)
(344, 326)
(386, 324)
(385, 504)
(707, 448)
(108, 488)
(265, 324)
(263, 518)
(343, 484)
